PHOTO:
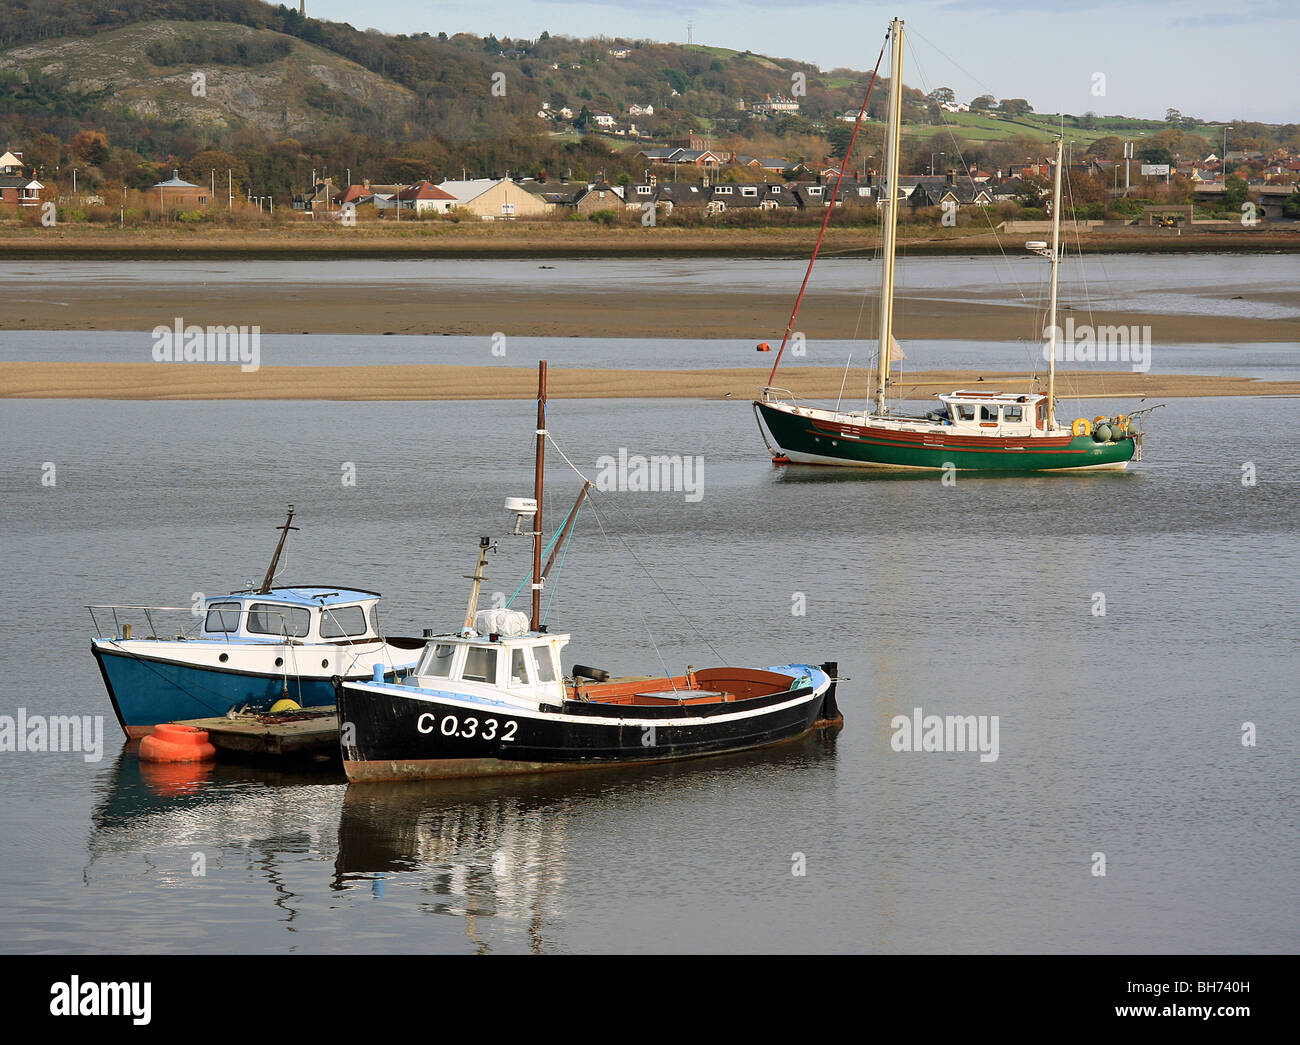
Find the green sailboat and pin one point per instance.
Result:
(984, 431)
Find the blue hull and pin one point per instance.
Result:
(147, 692)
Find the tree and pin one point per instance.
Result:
(1033, 190)
(90, 147)
(1154, 153)
(1173, 116)
(1108, 148)
(1234, 192)
(840, 137)
(943, 96)
(1291, 205)
(983, 103)
(1016, 106)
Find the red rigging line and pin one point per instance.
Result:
(830, 208)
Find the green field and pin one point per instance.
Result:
(984, 127)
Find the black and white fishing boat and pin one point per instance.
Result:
(493, 698)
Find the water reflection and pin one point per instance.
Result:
(499, 849)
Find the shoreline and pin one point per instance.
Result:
(418, 382)
(602, 310)
(495, 240)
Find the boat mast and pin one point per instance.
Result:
(275, 559)
(889, 219)
(1056, 261)
(537, 495)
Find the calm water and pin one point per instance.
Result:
(1118, 734)
(1265, 361)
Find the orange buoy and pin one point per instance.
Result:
(170, 742)
(763, 346)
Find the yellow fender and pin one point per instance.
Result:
(1081, 426)
(1099, 419)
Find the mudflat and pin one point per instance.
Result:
(430, 382)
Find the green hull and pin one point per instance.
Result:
(803, 440)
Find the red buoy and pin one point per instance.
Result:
(170, 742)
(763, 346)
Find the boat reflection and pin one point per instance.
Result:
(499, 848)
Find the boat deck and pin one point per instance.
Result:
(307, 733)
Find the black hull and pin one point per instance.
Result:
(387, 735)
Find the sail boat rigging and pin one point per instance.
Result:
(972, 430)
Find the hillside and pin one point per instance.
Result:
(110, 87)
(146, 72)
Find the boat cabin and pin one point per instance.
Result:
(993, 413)
(523, 669)
(300, 615)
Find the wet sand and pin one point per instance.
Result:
(180, 381)
(583, 310)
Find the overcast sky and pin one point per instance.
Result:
(1214, 59)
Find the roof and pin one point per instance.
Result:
(966, 395)
(310, 595)
(175, 182)
(424, 190)
(465, 191)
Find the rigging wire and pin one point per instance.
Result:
(830, 209)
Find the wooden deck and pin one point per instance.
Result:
(312, 731)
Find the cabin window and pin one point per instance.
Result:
(518, 668)
(1013, 414)
(480, 665)
(988, 413)
(342, 621)
(749, 190)
(374, 617)
(267, 618)
(437, 660)
(964, 411)
(545, 664)
(222, 616)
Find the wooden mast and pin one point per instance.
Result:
(1056, 261)
(275, 559)
(889, 219)
(537, 495)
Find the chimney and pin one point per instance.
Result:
(952, 176)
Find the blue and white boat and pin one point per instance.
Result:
(249, 649)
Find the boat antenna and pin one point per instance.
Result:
(889, 219)
(539, 469)
(826, 218)
(275, 559)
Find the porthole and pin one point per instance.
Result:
(324, 663)
(279, 662)
(224, 657)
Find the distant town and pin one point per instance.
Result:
(688, 181)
